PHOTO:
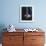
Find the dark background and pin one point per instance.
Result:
(24, 12)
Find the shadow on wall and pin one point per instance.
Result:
(2, 26)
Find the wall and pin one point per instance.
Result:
(10, 12)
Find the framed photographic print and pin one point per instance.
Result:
(26, 13)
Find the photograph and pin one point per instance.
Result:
(26, 13)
